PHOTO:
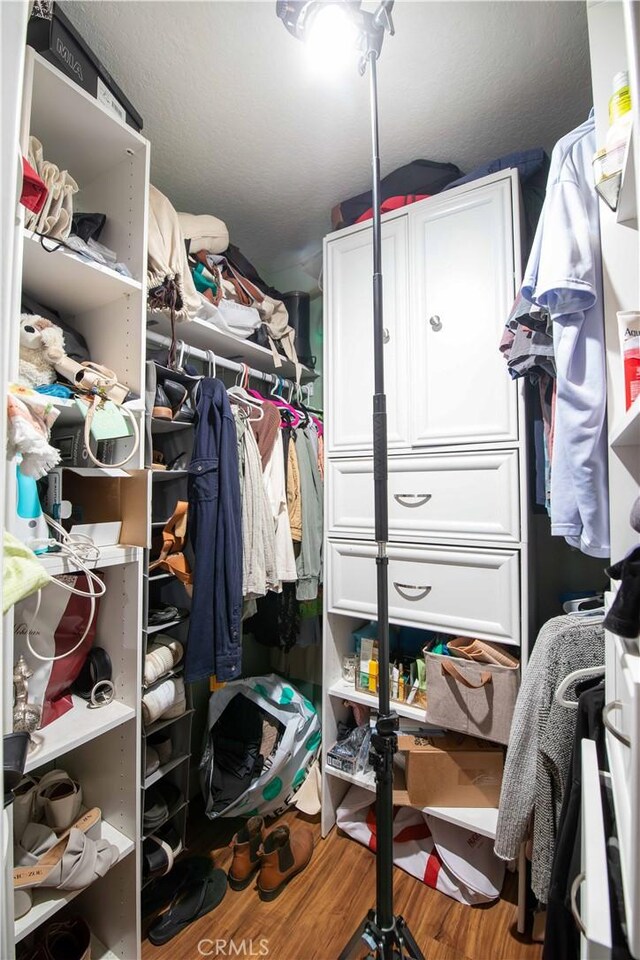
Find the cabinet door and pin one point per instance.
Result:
(462, 291)
(349, 335)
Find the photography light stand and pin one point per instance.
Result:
(386, 936)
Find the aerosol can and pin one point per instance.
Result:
(31, 527)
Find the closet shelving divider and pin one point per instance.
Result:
(100, 748)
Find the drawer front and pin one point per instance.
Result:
(471, 592)
(471, 496)
(622, 720)
(592, 886)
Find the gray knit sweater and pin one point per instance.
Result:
(540, 743)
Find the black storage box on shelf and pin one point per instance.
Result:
(54, 37)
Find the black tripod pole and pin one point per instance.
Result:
(386, 936)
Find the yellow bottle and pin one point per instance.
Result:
(373, 676)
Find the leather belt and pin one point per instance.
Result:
(94, 682)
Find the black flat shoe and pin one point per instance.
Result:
(161, 405)
(196, 899)
(15, 747)
(167, 614)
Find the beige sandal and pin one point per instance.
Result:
(72, 863)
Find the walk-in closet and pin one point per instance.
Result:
(321, 490)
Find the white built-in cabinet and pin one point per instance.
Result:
(457, 473)
(101, 747)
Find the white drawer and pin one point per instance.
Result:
(622, 717)
(473, 592)
(469, 496)
(592, 914)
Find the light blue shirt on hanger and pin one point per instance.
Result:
(564, 274)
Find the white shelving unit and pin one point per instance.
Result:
(99, 747)
(614, 40)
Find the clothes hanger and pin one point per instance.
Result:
(239, 393)
(211, 364)
(283, 405)
(572, 678)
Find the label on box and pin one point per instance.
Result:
(107, 99)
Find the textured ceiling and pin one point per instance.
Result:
(241, 127)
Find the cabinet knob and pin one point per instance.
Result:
(436, 323)
(385, 335)
(402, 588)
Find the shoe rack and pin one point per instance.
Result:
(98, 747)
(172, 439)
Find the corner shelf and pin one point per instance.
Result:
(67, 283)
(47, 901)
(75, 727)
(627, 433)
(346, 691)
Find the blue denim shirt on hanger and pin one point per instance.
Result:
(215, 531)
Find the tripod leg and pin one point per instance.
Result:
(409, 948)
(356, 939)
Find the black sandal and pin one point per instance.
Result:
(195, 900)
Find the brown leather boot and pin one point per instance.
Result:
(283, 855)
(246, 860)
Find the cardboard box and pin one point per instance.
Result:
(110, 505)
(452, 771)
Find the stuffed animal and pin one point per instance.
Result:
(41, 344)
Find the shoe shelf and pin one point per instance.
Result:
(346, 691)
(56, 564)
(164, 770)
(161, 724)
(164, 626)
(47, 902)
(157, 577)
(170, 816)
(64, 281)
(176, 672)
(79, 725)
(204, 336)
(168, 426)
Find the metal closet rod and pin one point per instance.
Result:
(158, 340)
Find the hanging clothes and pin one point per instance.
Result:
(266, 430)
(539, 751)
(564, 276)
(294, 495)
(259, 572)
(214, 643)
(274, 484)
(309, 560)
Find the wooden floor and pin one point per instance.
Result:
(319, 910)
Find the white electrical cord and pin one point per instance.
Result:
(77, 548)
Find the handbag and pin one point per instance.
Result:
(474, 698)
(60, 621)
